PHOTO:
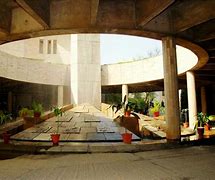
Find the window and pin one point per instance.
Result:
(54, 46)
(41, 43)
(49, 46)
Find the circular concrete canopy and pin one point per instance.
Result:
(191, 22)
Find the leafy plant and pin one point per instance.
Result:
(202, 119)
(25, 112)
(156, 107)
(4, 117)
(37, 107)
(58, 113)
(123, 106)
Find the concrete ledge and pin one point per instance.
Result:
(47, 148)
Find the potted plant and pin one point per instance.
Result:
(6, 137)
(56, 136)
(4, 117)
(126, 137)
(155, 110)
(124, 118)
(37, 108)
(201, 120)
(207, 125)
(123, 107)
(24, 112)
(185, 118)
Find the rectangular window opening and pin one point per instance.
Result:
(49, 47)
(41, 43)
(54, 46)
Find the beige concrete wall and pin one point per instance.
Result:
(28, 70)
(86, 69)
(145, 70)
(29, 48)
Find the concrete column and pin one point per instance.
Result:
(60, 96)
(10, 102)
(172, 114)
(203, 100)
(191, 95)
(125, 92)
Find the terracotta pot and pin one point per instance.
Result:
(37, 114)
(6, 138)
(207, 127)
(186, 124)
(55, 139)
(127, 137)
(127, 113)
(156, 114)
(200, 131)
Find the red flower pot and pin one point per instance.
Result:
(127, 113)
(186, 124)
(37, 114)
(127, 137)
(200, 131)
(156, 114)
(207, 127)
(55, 139)
(6, 138)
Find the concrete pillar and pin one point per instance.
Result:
(191, 95)
(60, 96)
(203, 100)
(125, 92)
(172, 114)
(10, 102)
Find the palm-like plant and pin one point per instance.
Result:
(4, 117)
(202, 119)
(123, 106)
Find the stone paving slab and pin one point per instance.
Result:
(77, 137)
(83, 124)
(92, 120)
(43, 137)
(72, 130)
(105, 129)
(38, 130)
(95, 136)
(64, 119)
(76, 114)
(113, 136)
(24, 136)
(94, 124)
(64, 137)
(88, 129)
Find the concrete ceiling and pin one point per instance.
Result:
(190, 20)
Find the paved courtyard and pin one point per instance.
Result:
(183, 163)
(83, 123)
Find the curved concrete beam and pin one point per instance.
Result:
(145, 70)
(34, 71)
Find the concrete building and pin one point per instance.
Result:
(69, 64)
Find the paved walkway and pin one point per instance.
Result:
(81, 124)
(184, 163)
